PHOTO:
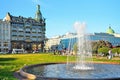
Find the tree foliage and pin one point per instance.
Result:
(75, 48)
(99, 44)
(116, 50)
(119, 51)
(103, 50)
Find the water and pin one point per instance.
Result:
(84, 51)
(101, 71)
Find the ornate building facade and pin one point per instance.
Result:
(24, 33)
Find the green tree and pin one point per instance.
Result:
(75, 48)
(94, 47)
(119, 50)
(99, 44)
(103, 50)
(114, 50)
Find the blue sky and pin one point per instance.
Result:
(62, 14)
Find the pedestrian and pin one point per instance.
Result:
(110, 54)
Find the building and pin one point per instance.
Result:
(69, 39)
(56, 41)
(115, 41)
(52, 43)
(5, 42)
(18, 32)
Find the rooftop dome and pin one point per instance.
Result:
(110, 31)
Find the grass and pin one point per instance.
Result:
(13, 62)
(10, 63)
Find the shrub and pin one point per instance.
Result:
(115, 50)
(103, 50)
(119, 50)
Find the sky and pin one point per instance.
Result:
(61, 15)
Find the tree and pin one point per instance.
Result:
(103, 50)
(115, 50)
(108, 44)
(75, 48)
(99, 44)
(119, 50)
(94, 47)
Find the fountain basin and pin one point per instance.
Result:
(60, 71)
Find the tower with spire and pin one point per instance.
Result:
(38, 14)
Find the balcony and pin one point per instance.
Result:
(34, 39)
(21, 34)
(27, 34)
(14, 38)
(33, 30)
(27, 25)
(34, 35)
(20, 29)
(14, 33)
(39, 31)
(14, 29)
(21, 38)
(39, 39)
(27, 29)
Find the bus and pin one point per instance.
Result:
(18, 51)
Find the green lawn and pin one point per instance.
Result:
(13, 62)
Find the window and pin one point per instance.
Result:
(5, 44)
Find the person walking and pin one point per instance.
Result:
(110, 54)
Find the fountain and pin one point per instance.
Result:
(84, 50)
(79, 70)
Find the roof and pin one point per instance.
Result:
(110, 30)
(21, 19)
